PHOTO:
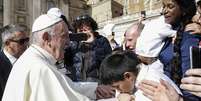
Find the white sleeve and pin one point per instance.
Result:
(166, 31)
(50, 86)
(86, 88)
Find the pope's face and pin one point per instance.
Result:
(60, 40)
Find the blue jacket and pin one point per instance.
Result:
(167, 54)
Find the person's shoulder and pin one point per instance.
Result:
(2, 54)
(190, 35)
(4, 59)
(100, 36)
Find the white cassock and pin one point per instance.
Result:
(34, 77)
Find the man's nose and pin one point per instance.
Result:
(128, 44)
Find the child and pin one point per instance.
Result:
(120, 71)
(149, 44)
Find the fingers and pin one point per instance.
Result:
(193, 28)
(125, 97)
(196, 72)
(167, 85)
(191, 80)
(191, 87)
(150, 83)
(148, 88)
(196, 93)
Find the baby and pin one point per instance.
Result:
(148, 46)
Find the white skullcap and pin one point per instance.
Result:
(45, 21)
(55, 11)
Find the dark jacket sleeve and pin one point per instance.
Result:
(103, 48)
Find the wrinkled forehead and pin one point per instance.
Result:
(132, 34)
(132, 30)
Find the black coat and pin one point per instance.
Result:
(5, 68)
(86, 58)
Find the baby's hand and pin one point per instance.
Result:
(125, 97)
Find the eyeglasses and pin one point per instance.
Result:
(20, 41)
(82, 17)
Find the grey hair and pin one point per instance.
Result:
(8, 32)
(36, 37)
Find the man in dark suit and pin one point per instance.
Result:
(5, 68)
(15, 42)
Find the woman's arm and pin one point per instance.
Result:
(194, 28)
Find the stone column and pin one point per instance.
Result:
(125, 9)
(37, 8)
(64, 6)
(30, 17)
(7, 12)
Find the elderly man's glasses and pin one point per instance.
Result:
(20, 41)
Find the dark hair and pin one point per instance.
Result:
(188, 9)
(85, 19)
(199, 3)
(114, 66)
(7, 32)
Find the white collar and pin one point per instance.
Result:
(43, 52)
(11, 58)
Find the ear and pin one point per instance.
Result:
(45, 36)
(7, 43)
(127, 75)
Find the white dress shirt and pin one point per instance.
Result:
(11, 58)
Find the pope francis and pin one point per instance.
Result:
(34, 76)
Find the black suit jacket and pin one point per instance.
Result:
(5, 68)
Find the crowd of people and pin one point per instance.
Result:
(152, 65)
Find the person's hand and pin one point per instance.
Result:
(165, 92)
(104, 91)
(125, 97)
(90, 35)
(148, 88)
(194, 28)
(192, 82)
(159, 92)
